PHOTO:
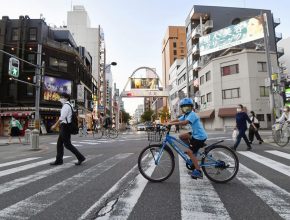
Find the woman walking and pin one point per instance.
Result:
(252, 130)
(15, 128)
(241, 124)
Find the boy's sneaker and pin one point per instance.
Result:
(196, 174)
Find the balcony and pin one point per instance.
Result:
(208, 25)
(195, 50)
(196, 65)
(276, 22)
(278, 36)
(196, 33)
(280, 51)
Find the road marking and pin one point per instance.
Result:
(14, 184)
(103, 201)
(35, 204)
(122, 207)
(274, 196)
(82, 142)
(279, 153)
(26, 167)
(18, 161)
(282, 168)
(216, 138)
(199, 200)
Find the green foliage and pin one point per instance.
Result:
(146, 116)
(125, 116)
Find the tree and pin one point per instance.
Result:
(164, 114)
(146, 116)
(125, 116)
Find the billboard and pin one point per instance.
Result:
(53, 87)
(245, 31)
(144, 93)
(144, 83)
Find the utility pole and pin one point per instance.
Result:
(37, 86)
(269, 66)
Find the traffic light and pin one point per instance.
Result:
(13, 67)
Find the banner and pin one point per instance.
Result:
(144, 83)
(245, 31)
(144, 93)
(81, 93)
(53, 87)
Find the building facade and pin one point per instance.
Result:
(67, 67)
(173, 47)
(78, 22)
(205, 72)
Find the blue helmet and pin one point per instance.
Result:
(186, 101)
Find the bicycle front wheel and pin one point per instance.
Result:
(113, 133)
(98, 133)
(220, 164)
(147, 163)
(280, 137)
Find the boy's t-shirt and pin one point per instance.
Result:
(198, 131)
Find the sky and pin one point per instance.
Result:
(134, 29)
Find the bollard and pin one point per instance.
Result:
(27, 136)
(35, 139)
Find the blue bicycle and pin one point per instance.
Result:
(156, 162)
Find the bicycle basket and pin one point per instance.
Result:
(154, 136)
(277, 126)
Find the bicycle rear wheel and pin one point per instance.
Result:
(220, 164)
(148, 167)
(113, 133)
(98, 133)
(280, 137)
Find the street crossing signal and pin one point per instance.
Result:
(13, 67)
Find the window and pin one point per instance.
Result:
(33, 34)
(15, 34)
(181, 51)
(202, 99)
(207, 76)
(260, 117)
(174, 52)
(201, 80)
(231, 93)
(229, 70)
(57, 64)
(209, 97)
(268, 117)
(29, 90)
(174, 44)
(264, 91)
(181, 43)
(189, 60)
(262, 66)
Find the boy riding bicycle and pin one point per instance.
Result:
(195, 139)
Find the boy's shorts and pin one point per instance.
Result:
(196, 144)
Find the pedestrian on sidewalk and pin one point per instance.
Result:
(241, 124)
(252, 130)
(64, 138)
(14, 127)
(176, 128)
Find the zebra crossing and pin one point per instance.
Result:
(199, 199)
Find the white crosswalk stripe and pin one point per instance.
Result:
(40, 201)
(194, 194)
(280, 167)
(199, 199)
(18, 161)
(26, 167)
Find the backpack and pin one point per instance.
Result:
(74, 125)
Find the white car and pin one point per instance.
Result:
(141, 127)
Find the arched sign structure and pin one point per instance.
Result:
(144, 87)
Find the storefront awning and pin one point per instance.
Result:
(16, 113)
(206, 114)
(227, 112)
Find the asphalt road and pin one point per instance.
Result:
(109, 186)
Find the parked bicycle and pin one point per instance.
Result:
(280, 133)
(108, 132)
(219, 163)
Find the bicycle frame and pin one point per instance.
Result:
(171, 141)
